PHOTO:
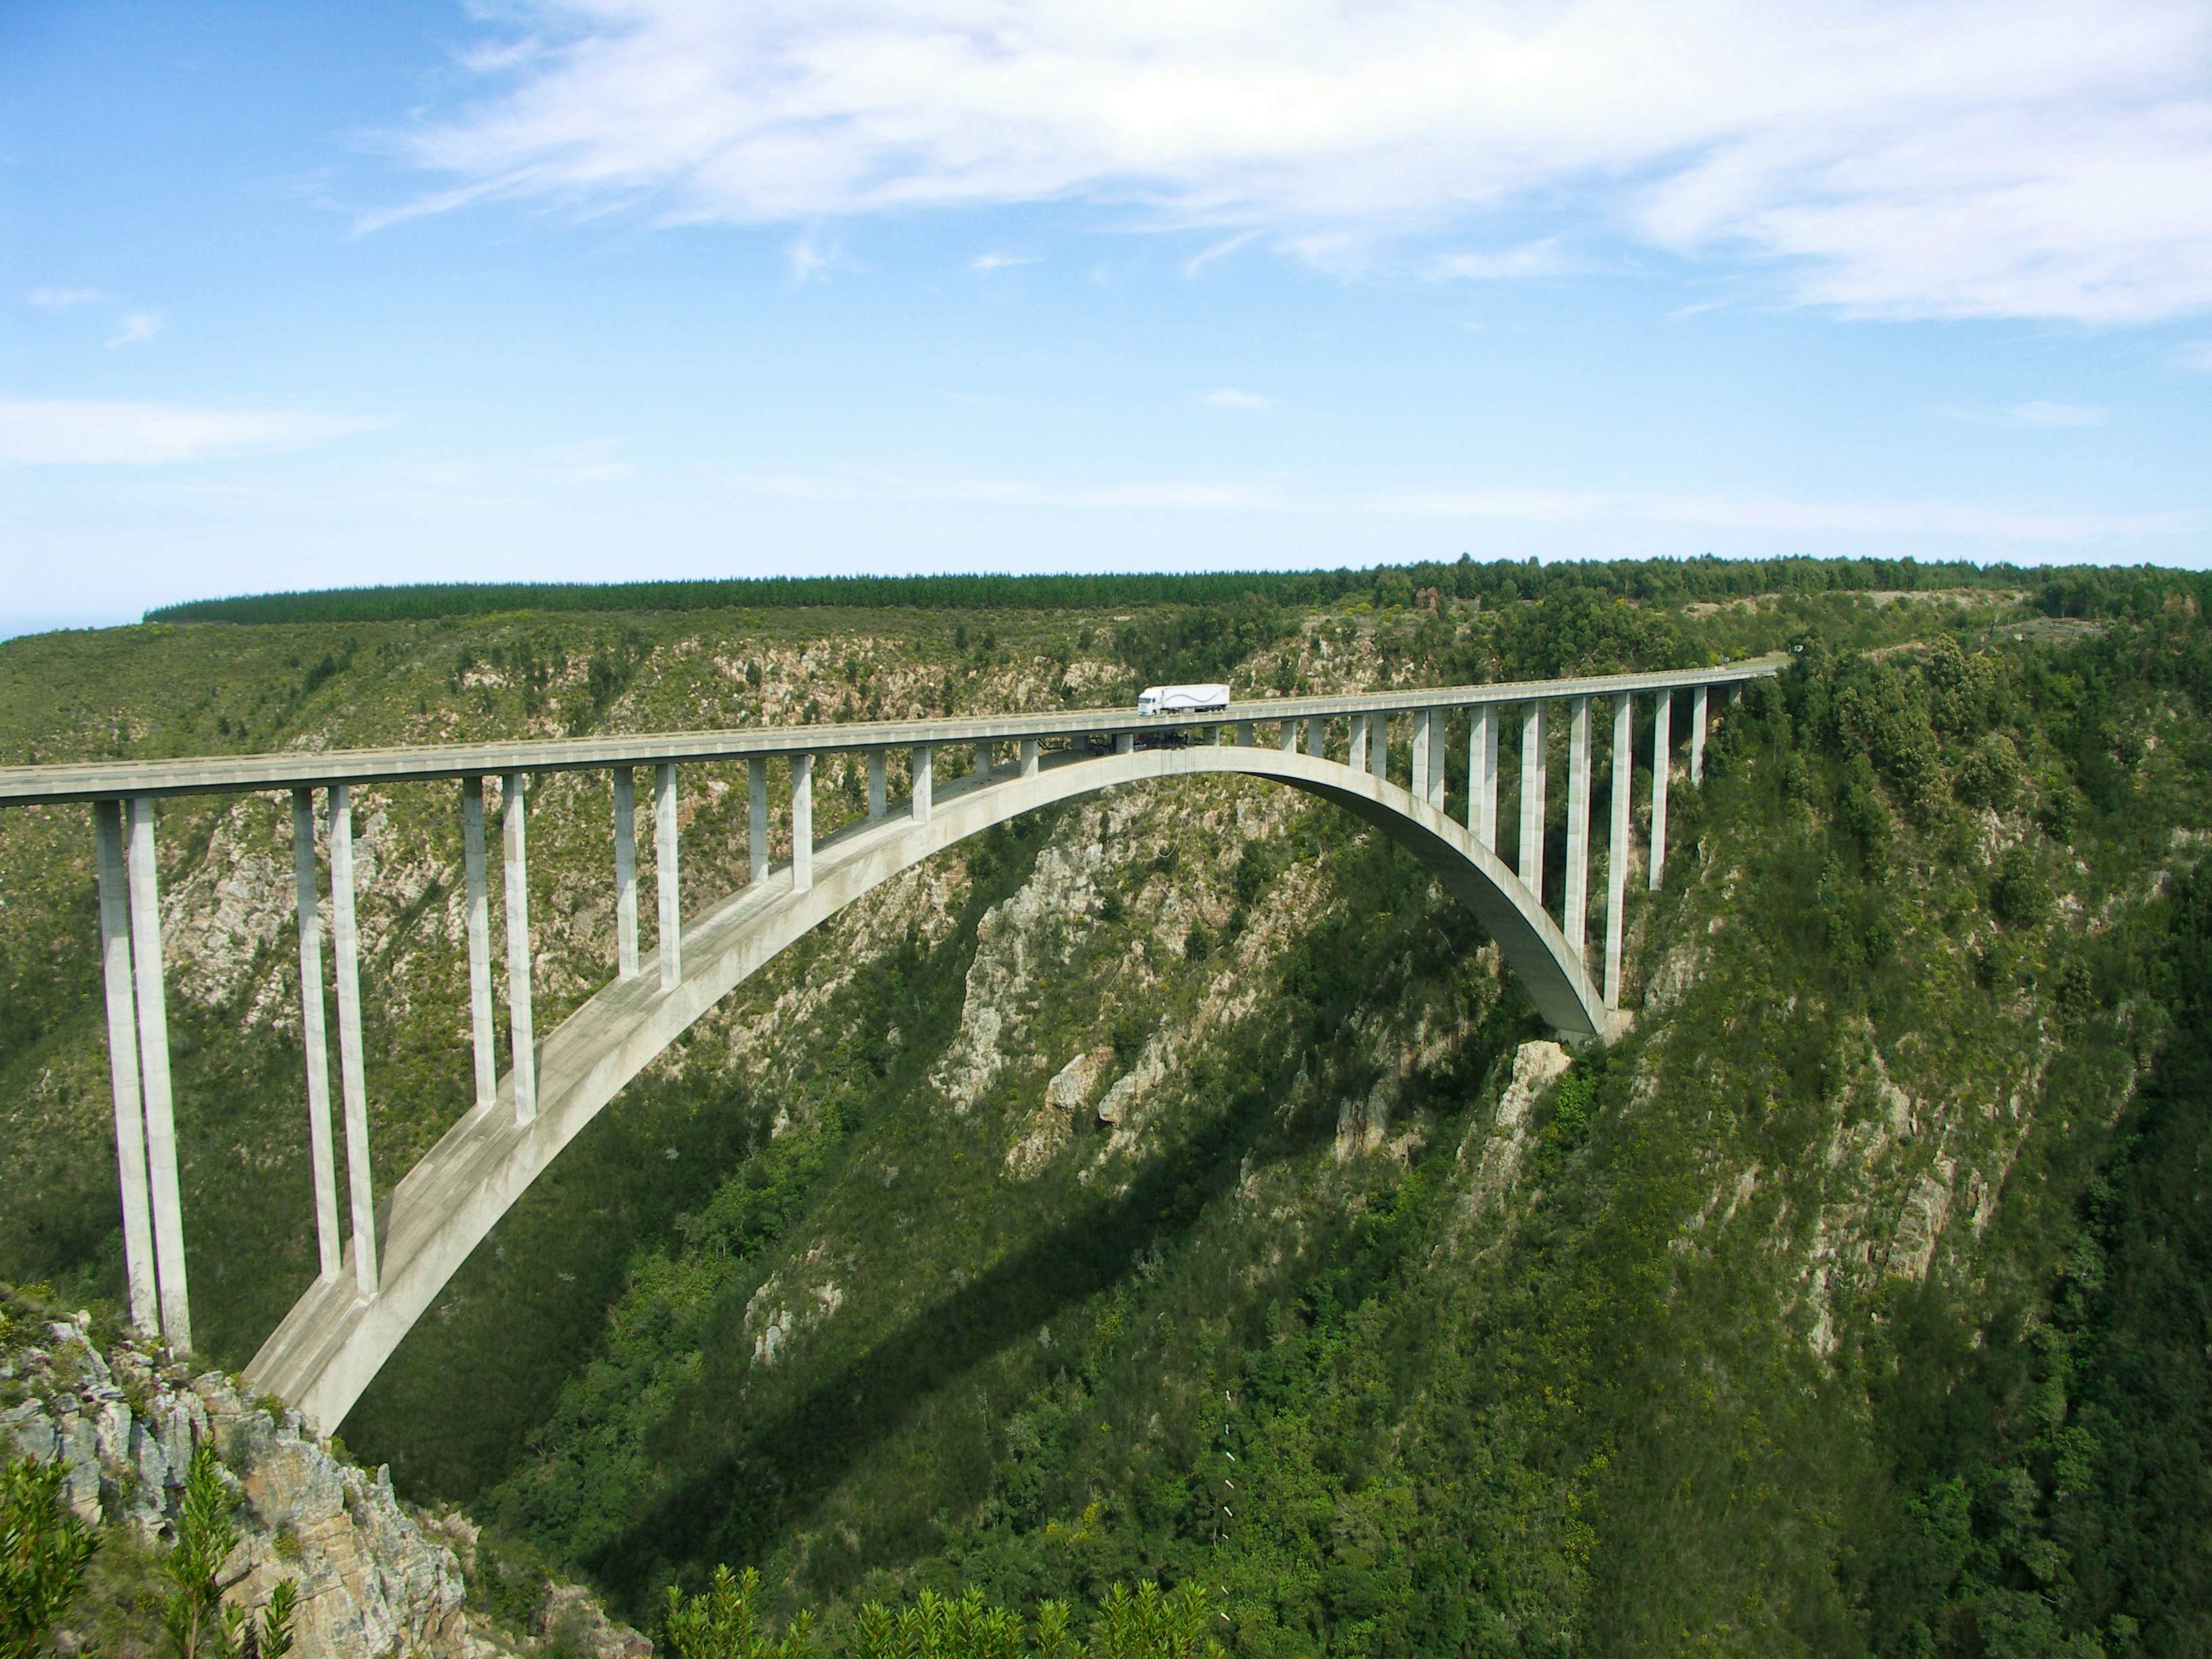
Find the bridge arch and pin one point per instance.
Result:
(333, 1344)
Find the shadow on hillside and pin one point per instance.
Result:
(772, 1474)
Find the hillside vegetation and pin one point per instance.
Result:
(1170, 1186)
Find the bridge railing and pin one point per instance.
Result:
(123, 795)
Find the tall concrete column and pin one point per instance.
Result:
(1357, 758)
(1287, 738)
(482, 1045)
(1697, 705)
(353, 1082)
(1616, 866)
(151, 1000)
(521, 1025)
(625, 872)
(919, 806)
(802, 822)
(1126, 744)
(314, 1038)
(879, 786)
(1574, 907)
(1482, 776)
(667, 876)
(756, 816)
(1378, 746)
(1531, 800)
(981, 770)
(1316, 738)
(122, 1067)
(1663, 744)
(1436, 795)
(1032, 757)
(1244, 739)
(1422, 721)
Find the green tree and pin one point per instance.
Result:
(44, 1551)
(195, 1620)
(725, 1623)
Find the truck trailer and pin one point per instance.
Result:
(1182, 700)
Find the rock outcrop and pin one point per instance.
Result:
(373, 1580)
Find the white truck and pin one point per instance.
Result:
(1182, 700)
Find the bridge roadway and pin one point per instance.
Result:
(349, 1321)
(218, 775)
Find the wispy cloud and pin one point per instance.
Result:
(1986, 158)
(60, 299)
(594, 460)
(1545, 258)
(806, 258)
(990, 262)
(137, 328)
(1932, 519)
(86, 433)
(2037, 414)
(1213, 250)
(1229, 397)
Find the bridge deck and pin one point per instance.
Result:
(207, 775)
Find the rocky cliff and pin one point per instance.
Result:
(374, 1577)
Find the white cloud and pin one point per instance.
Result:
(2037, 414)
(80, 432)
(1538, 258)
(1229, 397)
(591, 461)
(1976, 158)
(805, 258)
(60, 299)
(1939, 519)
(137, 327)
(990, 262)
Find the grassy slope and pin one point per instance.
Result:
(1450, 1432)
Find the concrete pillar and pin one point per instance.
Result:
(353, 1081)
(314, 1038)
(1316, 738)
(1126, 744)
(625, 870)
(919, 806)
(122, 1067)
(802, 822)
(756, 816)
(151, 1004)
(1532, 799)
(1574, 907)
(1287, 740)
(982, 767)
(1663, 744)
(521, 1026)
(1436, 795)
(1482, 775)
(1423, 720)
(483, 1044)
(1697, 705)
(1378, 746)
(1356, 757)
(878, 785)
(1244, 734)
(1616, 867)
(667, 877)
(1031, 759)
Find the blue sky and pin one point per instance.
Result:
(300, 295)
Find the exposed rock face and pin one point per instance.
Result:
(1536, 1067)
(371, 1581)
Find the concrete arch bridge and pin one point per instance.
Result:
(1381, 756)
